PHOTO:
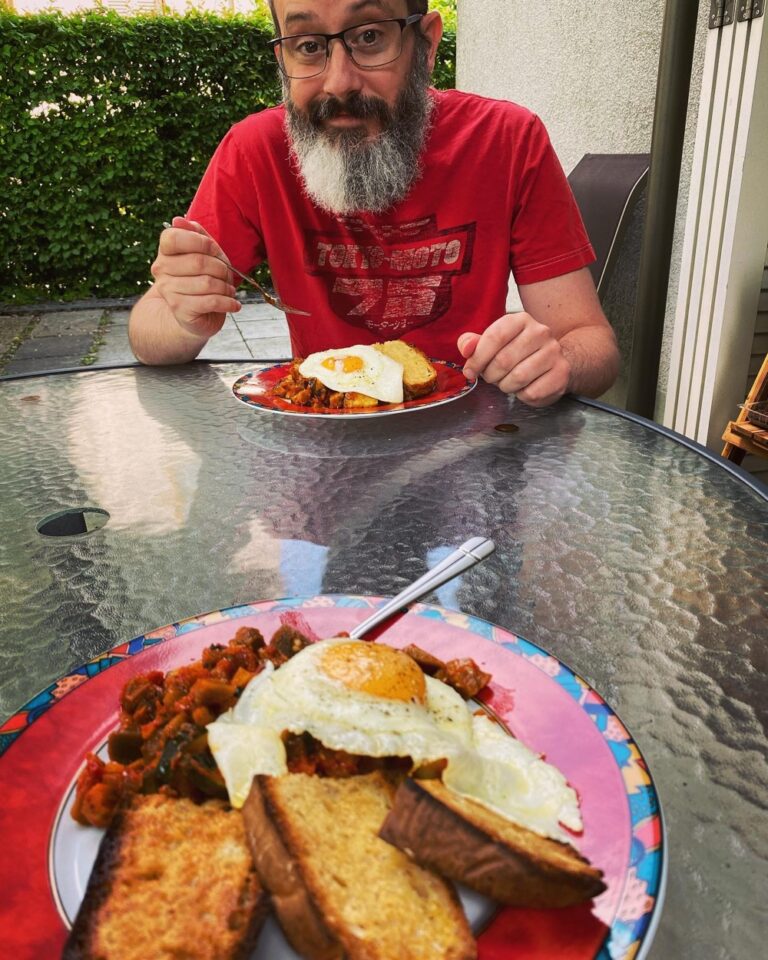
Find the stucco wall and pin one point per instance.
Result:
(589, 69)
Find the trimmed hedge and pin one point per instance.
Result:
(106, 126)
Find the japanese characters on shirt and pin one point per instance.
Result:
(390, 278)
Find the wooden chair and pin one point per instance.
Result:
(606, 187)
(741, 436)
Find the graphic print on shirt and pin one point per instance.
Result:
(390, 278)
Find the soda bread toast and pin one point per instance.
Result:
(172, 879)
(337, 889)
(464, 841)
(419, 375)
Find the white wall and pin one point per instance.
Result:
(589, 69)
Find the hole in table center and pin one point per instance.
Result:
(506, 427)
(74, 522)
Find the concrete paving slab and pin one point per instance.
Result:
(258, 311)
(62, 337)
(10, 328)
(225, 351)
(251, 329)
(54, 348)
(270, 348)
(230, 324)
(229, 337)
(68, 323)
(114, 355)
(115, 339)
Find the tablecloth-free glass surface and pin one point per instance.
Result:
(634, 558)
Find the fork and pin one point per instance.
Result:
(273, 301)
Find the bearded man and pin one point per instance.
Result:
(387, 209)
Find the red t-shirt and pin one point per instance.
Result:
(492, 198)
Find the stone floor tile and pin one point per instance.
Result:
(116, 356)
(115, 339)
(270, 348)
(251, 329)
(229, 349)
(10, 328)
(53, 348)
(258, 311)
(67, 322)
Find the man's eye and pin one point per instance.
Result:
(309, 48)
(369, 37)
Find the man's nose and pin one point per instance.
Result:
(340, 76)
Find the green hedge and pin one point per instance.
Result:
(106, 126)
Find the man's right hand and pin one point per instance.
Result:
(196, 285)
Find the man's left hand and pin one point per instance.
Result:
(519, 355)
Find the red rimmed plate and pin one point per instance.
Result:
(47, 857)
(255, 389)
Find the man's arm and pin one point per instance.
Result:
(189, 300)
(561, 343)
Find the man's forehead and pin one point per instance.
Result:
(297, 13)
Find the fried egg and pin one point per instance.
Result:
(501, 773)
(359, 369)
(373, 700)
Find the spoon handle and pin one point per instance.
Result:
(464, 557)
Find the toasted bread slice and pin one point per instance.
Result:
(172, 879)
(419, 375)
(468, 843)
(338, 890)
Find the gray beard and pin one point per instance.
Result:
(343, 172)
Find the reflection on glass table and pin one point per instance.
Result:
(635, 558)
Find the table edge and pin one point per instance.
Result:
(739, 473)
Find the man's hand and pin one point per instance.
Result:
(568, 348)
(521, 356)
(196, 286)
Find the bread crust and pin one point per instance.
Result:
(302, 924)
(313, 902)
(419, 374)
(513, 865)
(78, 945)
(127, 865)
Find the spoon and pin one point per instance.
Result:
(463, 558)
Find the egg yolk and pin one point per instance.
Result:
(349, 364)
(376, 669)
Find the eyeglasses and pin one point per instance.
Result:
(369, 45)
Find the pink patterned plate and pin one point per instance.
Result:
(48, 857)
(255, 390)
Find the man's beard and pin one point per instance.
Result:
(342, 170)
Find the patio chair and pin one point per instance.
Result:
(607, 187)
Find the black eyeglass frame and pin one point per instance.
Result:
(402, 21)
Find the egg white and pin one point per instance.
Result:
(502, 774)
(299, 697)
(380, 376)
(484, 763)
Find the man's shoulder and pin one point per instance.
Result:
(460, 106)
(267, 124)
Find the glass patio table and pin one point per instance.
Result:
(634, 557)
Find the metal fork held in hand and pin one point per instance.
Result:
(273, 301)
